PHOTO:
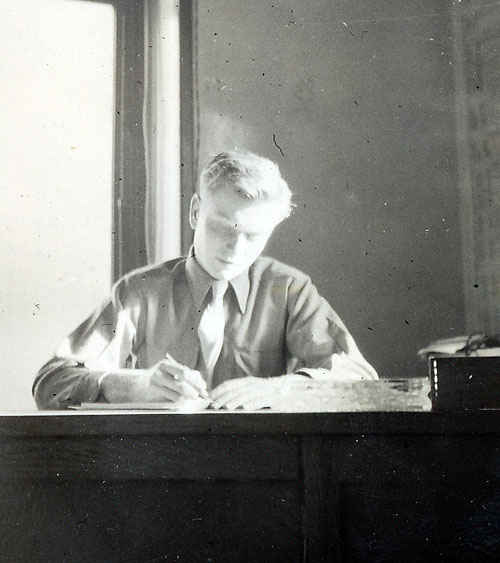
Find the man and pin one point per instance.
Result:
(223, 324)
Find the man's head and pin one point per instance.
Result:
(242, 198)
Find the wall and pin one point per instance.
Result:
(56, 123)
(477, 29)
(355, 101)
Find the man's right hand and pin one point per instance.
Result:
(166, 381)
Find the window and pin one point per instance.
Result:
(57, 177)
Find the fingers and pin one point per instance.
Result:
(249, 393)
(233, 386)
(163, 394)
(248, 400)
(258, 402)
(181, 388)
(163, 377)
(229, 400)
(194, 377)
(180, 379)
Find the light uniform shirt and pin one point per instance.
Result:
(276, 323)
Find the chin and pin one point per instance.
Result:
(222, 269)
(219, 273)
(230, 272)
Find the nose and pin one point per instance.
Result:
(235, 244)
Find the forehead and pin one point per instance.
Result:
(226, 205)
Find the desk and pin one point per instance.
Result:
(267, 486)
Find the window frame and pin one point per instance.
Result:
(129, 181)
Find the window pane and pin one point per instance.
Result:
(56, 120)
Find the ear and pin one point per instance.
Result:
(194, 211)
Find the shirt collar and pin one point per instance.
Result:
(200, 281)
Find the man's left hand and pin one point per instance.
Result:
(249, 393)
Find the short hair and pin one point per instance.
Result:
(253, 177)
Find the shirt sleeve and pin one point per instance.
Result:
(103, 342)
(318, 343)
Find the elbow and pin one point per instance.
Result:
(47, 398)
(45, 402)
(54, 383)
(372, 372)
(345, 366)
(367, 371)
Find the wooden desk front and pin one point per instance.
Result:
(399, 486)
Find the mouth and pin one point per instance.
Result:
(226, 262)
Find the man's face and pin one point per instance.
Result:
(230, 232)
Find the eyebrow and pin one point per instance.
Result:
(222, 216)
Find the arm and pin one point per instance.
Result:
(318, 346)
(318, 343)
(103, 342)
(60, 385)
(63, 382)
(97, 363)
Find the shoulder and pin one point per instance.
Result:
(149, 277)
(269, 269)
(285, 283)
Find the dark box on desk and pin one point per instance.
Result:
(464, 382)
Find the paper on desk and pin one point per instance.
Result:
(184, 405)
(309, 395)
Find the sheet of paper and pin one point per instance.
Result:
(186, 405)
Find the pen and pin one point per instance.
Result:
(171, 359)
(176, 377)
